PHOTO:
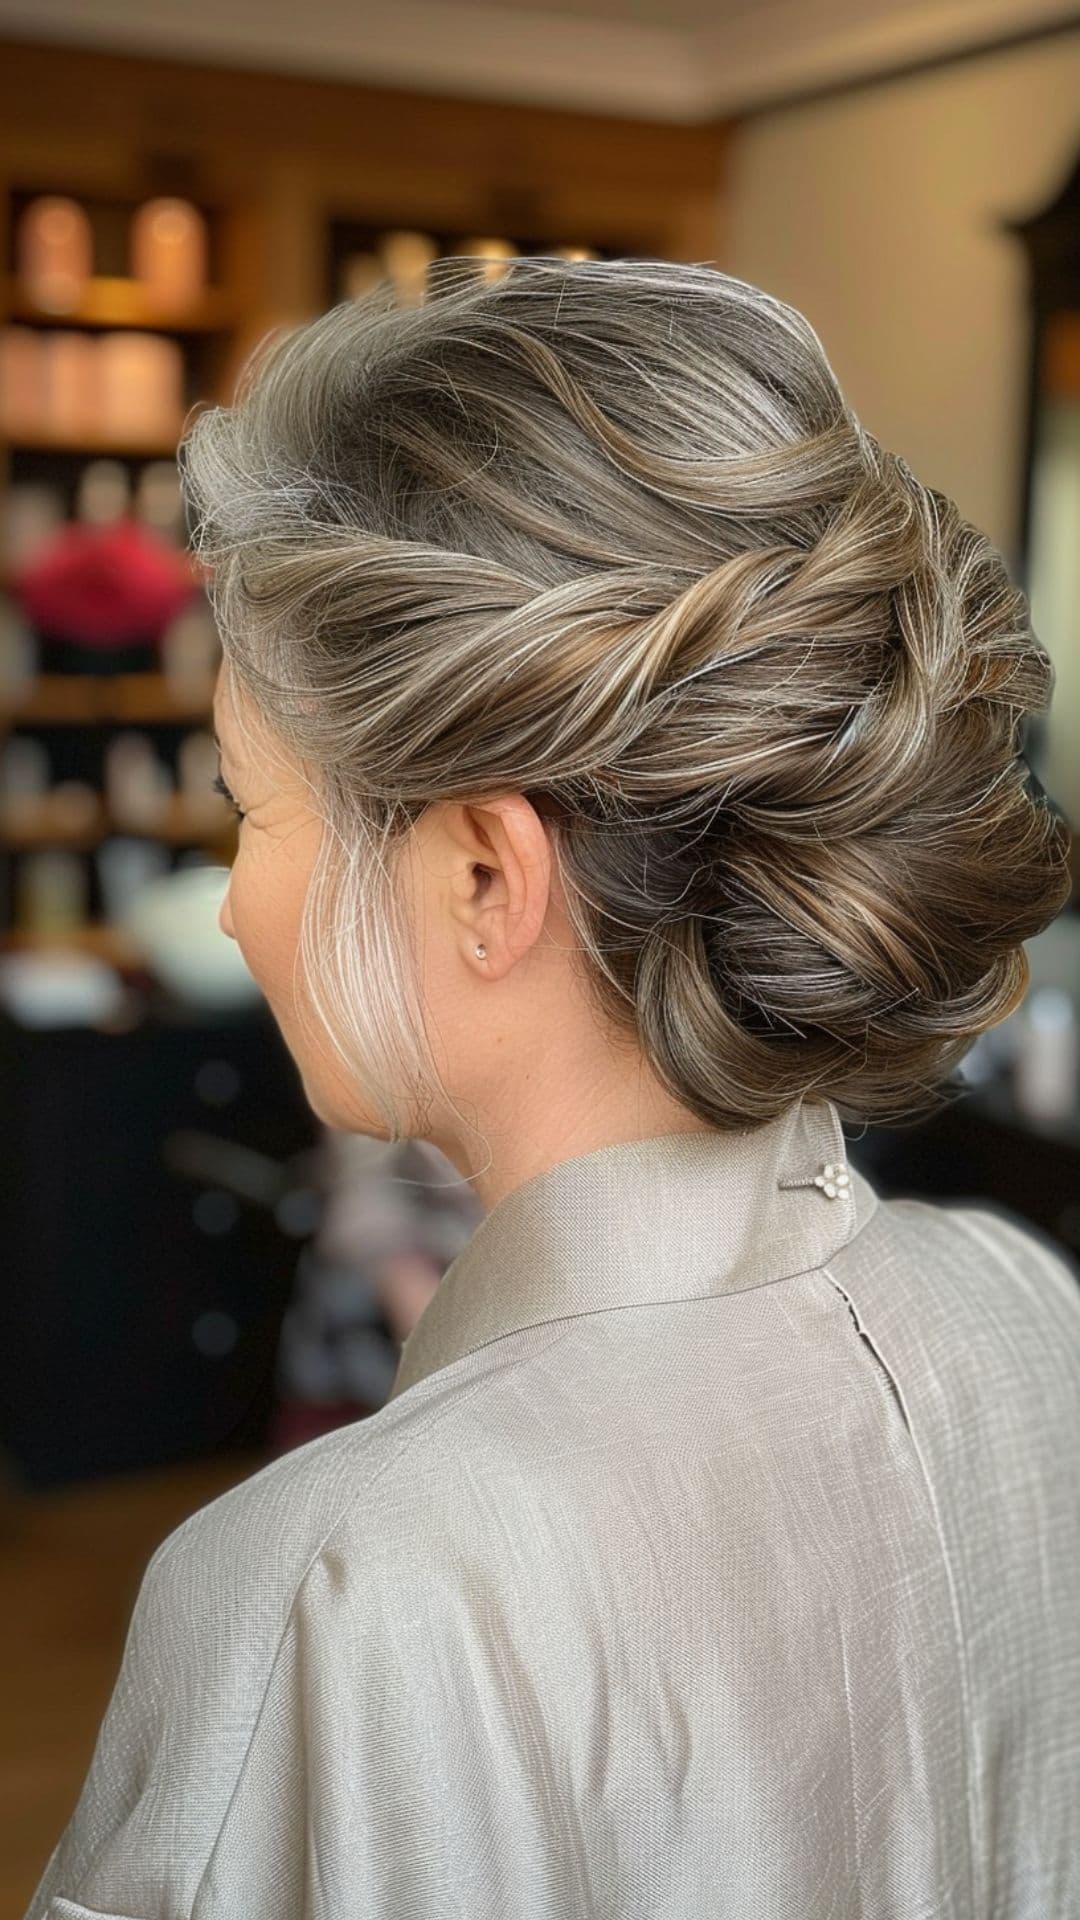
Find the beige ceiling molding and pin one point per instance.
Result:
(508, 53)
(677, 60)
(758, 53)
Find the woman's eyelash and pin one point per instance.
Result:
(220, 787)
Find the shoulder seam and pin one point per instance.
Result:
(408, 1441)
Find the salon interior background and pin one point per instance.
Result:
(195, 1274)
(904, 175)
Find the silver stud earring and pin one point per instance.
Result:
(481, 953)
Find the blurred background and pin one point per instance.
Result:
(196, 1274)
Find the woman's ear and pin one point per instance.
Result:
(506, 879)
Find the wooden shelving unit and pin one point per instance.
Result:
(283, 214)
(100, 702)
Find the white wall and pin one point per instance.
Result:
(875, 213)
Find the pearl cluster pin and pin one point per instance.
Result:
(832, 1180)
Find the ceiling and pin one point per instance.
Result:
(677, 60)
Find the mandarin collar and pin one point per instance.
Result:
(674, 1216)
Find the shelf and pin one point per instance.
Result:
(118, 302)
(91, 446)
(181, 825)
(86, 699)
(97, 937)
(24, 836)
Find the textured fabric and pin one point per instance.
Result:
(716, 1555)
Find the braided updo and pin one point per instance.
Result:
(607, 533)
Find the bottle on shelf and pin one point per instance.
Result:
(168, 251)
(138, 786)
(33, 512)
(22, 381)
(52, 891)
(54, 252)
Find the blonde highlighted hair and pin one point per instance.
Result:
(606, 533)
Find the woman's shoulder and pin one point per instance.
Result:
(211, 1618)
(971, 1243)
(267, 1529)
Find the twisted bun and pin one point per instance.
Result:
(608, 533)
(876, 855)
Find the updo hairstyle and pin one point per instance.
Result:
(606, 533)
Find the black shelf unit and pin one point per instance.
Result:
(143, 1295)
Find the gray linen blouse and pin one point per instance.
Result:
(716, 1557)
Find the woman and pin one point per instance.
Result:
(627, 748)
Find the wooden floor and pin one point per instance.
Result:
(70, 1565)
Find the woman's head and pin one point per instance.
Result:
(594, 558)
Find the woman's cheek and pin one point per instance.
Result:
(266, 891)
(240, 920)
(225, 919)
